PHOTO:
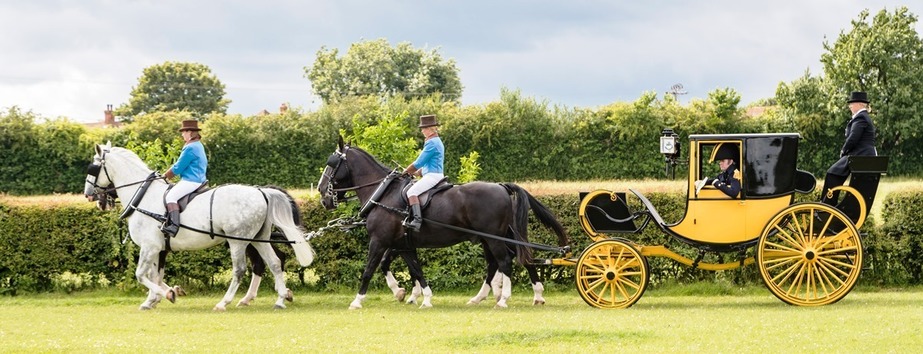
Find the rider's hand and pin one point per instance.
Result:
(699, 184)
(169, 175)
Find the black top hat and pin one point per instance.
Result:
(428, 121)
(858, 96)
(190, 124)
(726, 151)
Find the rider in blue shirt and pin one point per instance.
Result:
(428, 165)
(191, 168)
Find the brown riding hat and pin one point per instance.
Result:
(428, 121)
(190, 124)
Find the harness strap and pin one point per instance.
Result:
(211, 210)
(139, 194)
(561, 250)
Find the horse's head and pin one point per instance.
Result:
(98, 183)
(335, 177)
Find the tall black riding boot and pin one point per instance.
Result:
(416, 219)
(831, 181)
(171, 225)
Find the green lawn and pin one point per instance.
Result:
(755, 321)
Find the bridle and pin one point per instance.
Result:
(331, 173)
(107, 194)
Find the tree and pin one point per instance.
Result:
(374, 68)
(176, 86)
(885, 59)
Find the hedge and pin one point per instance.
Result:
(46, 249)
(517, 138)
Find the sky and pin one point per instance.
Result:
(72, 58)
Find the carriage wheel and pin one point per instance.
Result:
(611, 274)
(805, 259)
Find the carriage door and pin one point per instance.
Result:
(717, 217)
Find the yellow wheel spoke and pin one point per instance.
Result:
(828, 273)
(797, 280)
(785, 236)
(837, 265)
(783, 248)
(782, 262)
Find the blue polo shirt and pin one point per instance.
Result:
(432, 157)
(192, 163)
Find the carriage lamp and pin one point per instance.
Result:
(670, 149)
(668, 142)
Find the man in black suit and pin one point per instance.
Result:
(860, 141)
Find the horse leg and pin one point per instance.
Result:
(275, 266)
(488, 280)
(399, 292)
(239, 268)
(146, 275)
(505, 264)
(420, 285)
(376, 252)
(258, 269)
(537, 287)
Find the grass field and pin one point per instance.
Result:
(752, 321)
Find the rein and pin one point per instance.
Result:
(347, 189)
(561, 250)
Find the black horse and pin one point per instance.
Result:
(488, 208)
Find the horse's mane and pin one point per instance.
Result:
(130, 157)
(371, 158)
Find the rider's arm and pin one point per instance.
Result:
(855, 133)
(731, 186)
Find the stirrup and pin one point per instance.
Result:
(412, 224)
(169, 230)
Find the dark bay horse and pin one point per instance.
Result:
(490, 208)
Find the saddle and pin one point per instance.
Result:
(182, 202)
(427, 196)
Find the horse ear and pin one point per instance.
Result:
(340, 143)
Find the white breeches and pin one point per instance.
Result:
(424, 184)
(181, 189)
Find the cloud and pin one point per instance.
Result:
(73, 58)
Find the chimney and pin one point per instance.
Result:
(109, 121)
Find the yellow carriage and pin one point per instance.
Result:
(808, 253)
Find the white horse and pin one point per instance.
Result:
(236, 214)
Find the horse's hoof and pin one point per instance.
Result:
(145, 308)
(475, 301)
(278, 307)
(219, 309)
(243, 303)
(289, 296)
(171, 295)
(353, 307)
(179, 291)
(400, 294)
(411, 302)
(426, 306)
(538, 302)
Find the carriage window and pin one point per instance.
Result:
(708, 167)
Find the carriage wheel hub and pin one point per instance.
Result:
(610, 275)
(810, 255)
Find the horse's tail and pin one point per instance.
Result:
(281, 212)
(525, 201)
